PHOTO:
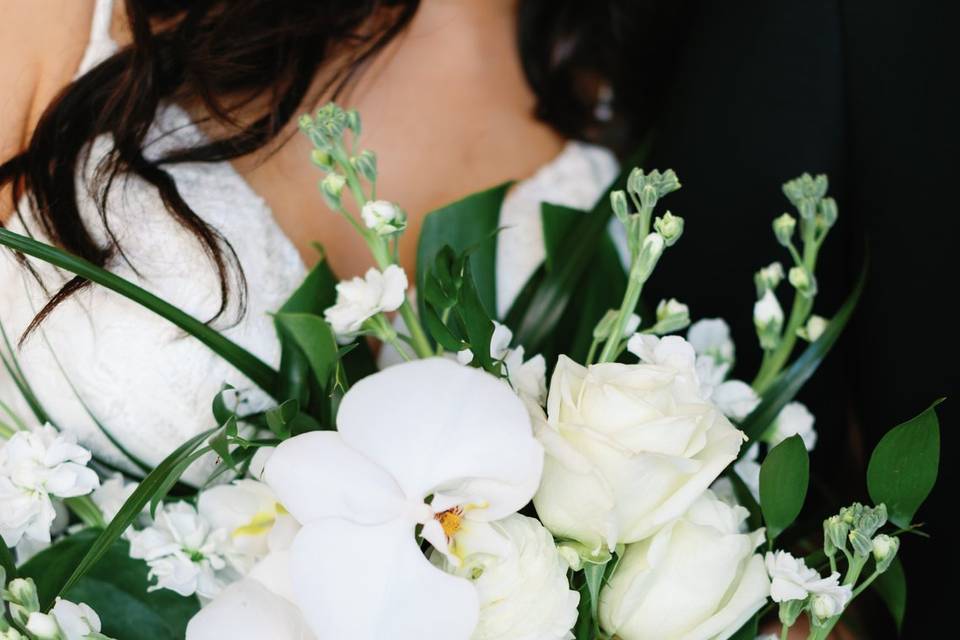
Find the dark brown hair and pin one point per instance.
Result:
(225, 54)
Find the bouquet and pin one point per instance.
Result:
(577, 469)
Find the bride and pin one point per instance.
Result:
(157, 138)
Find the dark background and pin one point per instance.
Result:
(863, 90)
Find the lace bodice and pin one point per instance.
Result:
(150, 385)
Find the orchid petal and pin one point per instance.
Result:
(372, 582)
(247, 610)
(317, 475)
(438, 426)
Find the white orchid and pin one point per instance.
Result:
(36, 465)
(182, 550)
(362, 298)
(415, 430)
(253, 519)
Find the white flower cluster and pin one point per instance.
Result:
(360, 299)
(20, 605)
(527, 377)
(792, 579)
(199, 550)
(37, 466)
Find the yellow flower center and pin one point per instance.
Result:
(451, 520)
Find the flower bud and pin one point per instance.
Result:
(814, 328)
(322, 159)
(43, 626)
(783, 228)
(672, 315)
(305, 122)
(383, 217)
(768, 320)
(621, 208)
(23, 591)
(828, 212)
(605, 326)
(862, 545)
(803, 281)
(332, 187)
(650, 252)
(353, 121)
(366, 165)
(885, 550)
(835, 532)
(648, 196)
(872, 519)
(790, 610)
(824, 607)
(768, 277)
(670, 227)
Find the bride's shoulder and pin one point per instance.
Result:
(41, 44)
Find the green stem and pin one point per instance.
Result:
(784, 632)
(86, 509)
(6, 431)
(592, 352)
(630, 299)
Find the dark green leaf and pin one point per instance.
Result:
(891, 586)
(784, 475)
(748, 631)
(786, 386)
(314, 336)
(7, 562)
(904, 465)
(116, 589)
(153, 484)
(468, 224)
(251, 366)
(439, 331)
(540, 307)
(478, 324)
(279, 418)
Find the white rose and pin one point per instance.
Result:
(523, 589)
(362, 298)
(698, 578)
(629, 447)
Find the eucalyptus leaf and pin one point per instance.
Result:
(891, 586)
(786, 386)
(903, 467)
(784, 476)
(250, 365)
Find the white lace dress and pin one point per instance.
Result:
(140, 376)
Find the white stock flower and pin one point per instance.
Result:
(767, 311)
(711, 337)
(698, 578)
(112, 494)
(792, 579)
(528, 378)
(76, 621)
(182, 551)
(629, 447)
(419, 429)
(523, 589)
(735, 398)
(253, 519)
(35, 465)
(362, 298)
(42, 626)
(794, 419)
(382, 216)
(748, 469)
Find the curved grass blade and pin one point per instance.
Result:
(786, 386)
(546, 296)
(250, 365)
(153, 484)
(10, 363)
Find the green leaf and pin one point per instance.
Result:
(477, 323)
(250, 365)
(786, 386)
(546, 296)
(748, 631)
(316, 339)
(904, 465)
(116, 589)
(6, 562)
(152, 485)
(891, 586)
(594, 574)
(784, 475)
(470, 225)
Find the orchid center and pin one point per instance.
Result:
(451, 520)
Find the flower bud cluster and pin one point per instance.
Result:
(858, 525)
